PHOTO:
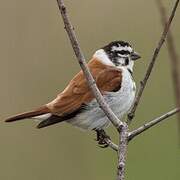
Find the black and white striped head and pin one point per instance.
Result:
(118, 53)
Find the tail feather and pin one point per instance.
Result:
(40, 111)
(53, 119)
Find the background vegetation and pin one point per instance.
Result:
(36, 62)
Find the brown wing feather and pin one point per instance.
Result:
(78, 92)
(109, 80)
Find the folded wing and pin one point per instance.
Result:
(78, 92)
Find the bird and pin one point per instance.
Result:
(112, 69)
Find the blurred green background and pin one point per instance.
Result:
(37, 61)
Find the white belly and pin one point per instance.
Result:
(120, 102)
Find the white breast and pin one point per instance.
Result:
(120, 102)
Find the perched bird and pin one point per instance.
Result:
(112, 69)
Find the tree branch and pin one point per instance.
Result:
(151, 64)
(123, 144)
(90, 80)
(152, 123)
(174, 60)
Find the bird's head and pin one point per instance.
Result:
(119, 54)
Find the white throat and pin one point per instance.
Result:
(103, 57)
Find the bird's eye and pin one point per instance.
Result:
(124, 52)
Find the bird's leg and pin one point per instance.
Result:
(101, 138)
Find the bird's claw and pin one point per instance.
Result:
(101, 138)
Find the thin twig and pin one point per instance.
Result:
(90, 80)
(152, 123)
(110, 144)
(151, 64)
(123, 144)
(174, 60)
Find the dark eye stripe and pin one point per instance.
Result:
(123, 52)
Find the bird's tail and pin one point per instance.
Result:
(40, 113)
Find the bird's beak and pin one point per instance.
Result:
(135, 56)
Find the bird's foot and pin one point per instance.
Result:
(102, 138)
